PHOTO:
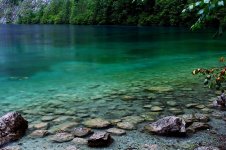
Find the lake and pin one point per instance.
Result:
(75, 73)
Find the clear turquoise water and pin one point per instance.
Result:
(88, 68)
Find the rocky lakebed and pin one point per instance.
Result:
(141, 118)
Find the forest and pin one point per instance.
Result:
(100, 12)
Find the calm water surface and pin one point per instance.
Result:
(89, 69)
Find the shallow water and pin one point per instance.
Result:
(84, 72)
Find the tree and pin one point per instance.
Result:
(209, 10)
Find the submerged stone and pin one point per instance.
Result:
(200, 106)
(126, 125)
(100, 139)
(160, 89)
(201, 117)
(133, 119)
(97, 123)
(170, 125)
(156, 109)
(197, 126)
(191, 105)
(116, 131)
(41, 125)
(82, 132)
(171, 103)
(62, 137)
(39, 133)
(12, 127)
(47, 118)
(79, 141)
(175, 111)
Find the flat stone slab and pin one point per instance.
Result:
(156, 109)
(97, 123)
(116, 131)
(41, 125)
(62, 137)
(82, 132)
(39, 133)
(126, 125)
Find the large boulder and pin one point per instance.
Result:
(171, 125)
(12, 127)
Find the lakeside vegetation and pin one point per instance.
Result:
(102, 12)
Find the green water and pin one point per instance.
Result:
(88, 69)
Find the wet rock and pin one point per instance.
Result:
(160, 89)
(67, 126)
(62, 119)
(97, 123)
(186, 89)
(201, 117)
(41, 125)
(39, 133)
(126, 125)
(191, 105)
(79, 141)
(197, 126)
(170, 125)
(128, 98)
(133, 119)
(200, 106)
(100, 139)
(217, 115)
(156, 109)
(11, 148)
(116, 131)
(82, 132)
(171, 103)
(115, 121)
(62, 137)
(12, 127)
(206, 148)
(147, 117)
(188, 118)
(156, 103)
(147, 106)
(175, 111)
(206, 110)
(47, 118)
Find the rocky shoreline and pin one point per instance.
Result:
(60, 126)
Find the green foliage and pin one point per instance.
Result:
(126, 12)
(208, 10)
